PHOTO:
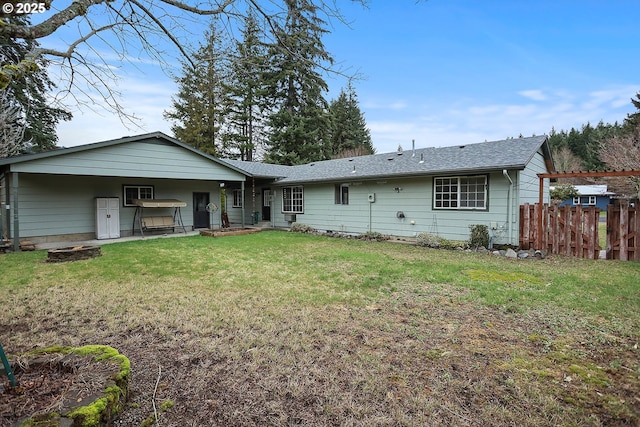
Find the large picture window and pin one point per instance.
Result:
(292, 200)
(132, 192)
(460, 192)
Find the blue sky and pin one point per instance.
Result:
(446, 72)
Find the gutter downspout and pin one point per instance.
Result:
(506, 175)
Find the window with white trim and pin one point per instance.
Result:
(132, 192)
(460, 192)
(292, 199)
(585, 200)
(342, 194)
(237, 198)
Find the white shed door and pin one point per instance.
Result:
(107, 217)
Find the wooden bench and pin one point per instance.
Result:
(157, 222)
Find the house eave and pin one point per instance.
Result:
(423, 174)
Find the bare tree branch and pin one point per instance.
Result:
(623, 153)
(141, 24)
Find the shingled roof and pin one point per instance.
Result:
(512, 153)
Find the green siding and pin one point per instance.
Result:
(61, 205)
(133, 159)
(415, 200)
(530, 183)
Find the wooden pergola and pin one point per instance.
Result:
(581, 174)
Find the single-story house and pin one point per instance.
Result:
(435, 190)
(96, 190)
(90, 191)
(591, 195)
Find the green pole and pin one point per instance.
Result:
(7, 366)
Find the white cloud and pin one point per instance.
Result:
(535, 94)
(143, 99)
(469, 121)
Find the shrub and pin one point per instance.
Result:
(432, 241)
(562, 192)
(298, 227)
(479, 236)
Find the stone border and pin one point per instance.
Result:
(93, 411)
(229, 232)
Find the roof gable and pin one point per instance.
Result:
(154, 155)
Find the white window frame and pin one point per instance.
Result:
(590, 200)
(237, 198)
(342, 194)
(293, 199)
(142, 192)
(448, 193)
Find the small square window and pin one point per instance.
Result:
(132, 192)
(237, 198)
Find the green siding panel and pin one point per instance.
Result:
(415, 200)
(59, 205)
(134, 159)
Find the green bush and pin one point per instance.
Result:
(562, 192)
(479, 236)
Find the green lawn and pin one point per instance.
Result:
(280, 328)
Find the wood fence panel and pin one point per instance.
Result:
(623, 232)
(567, 230)
(635, 229)
(591, 231)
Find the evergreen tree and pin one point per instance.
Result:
(244, 100)
(349, 133)
(27, 95)
(632, 120)
(585, 143)
(197, 110)
(299, 127)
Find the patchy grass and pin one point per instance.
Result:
(281, 328)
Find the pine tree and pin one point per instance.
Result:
(197, 110)
(632, 120)
(349, 133)
(28, 95)
(299, 127)
(244, 100)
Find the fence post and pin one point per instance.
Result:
(624, 228)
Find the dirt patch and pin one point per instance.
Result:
(62, 385)
(74, 253)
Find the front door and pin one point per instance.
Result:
(200, 214)
(266, 204)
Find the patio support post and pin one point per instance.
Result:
(243, 202)
(14, 207)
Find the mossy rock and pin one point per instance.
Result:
(109, 369)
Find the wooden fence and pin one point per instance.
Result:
(573, 230)
(566, 230)
(623, 232)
